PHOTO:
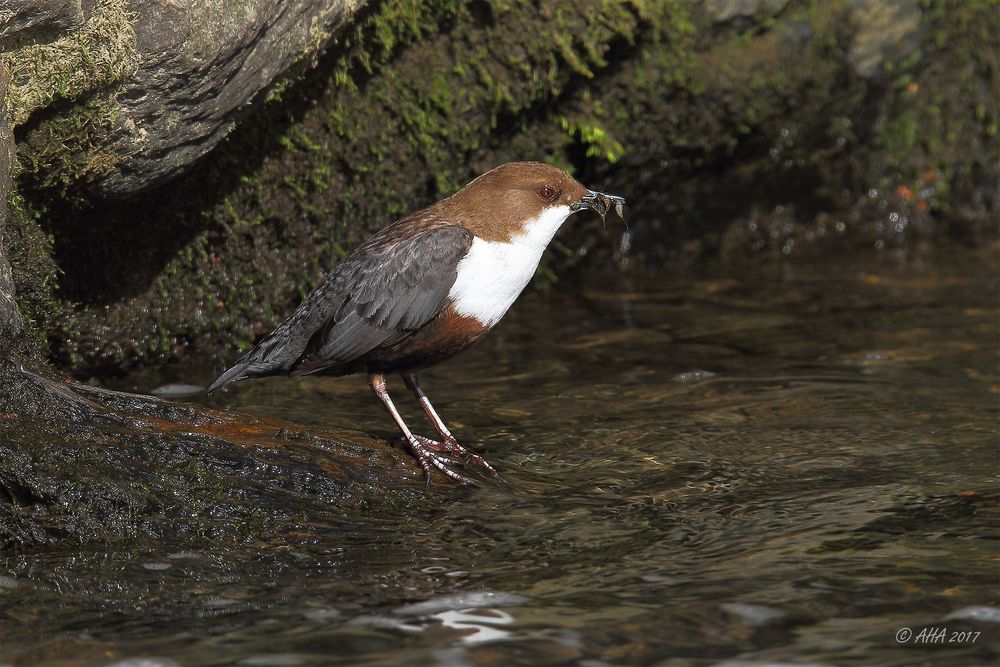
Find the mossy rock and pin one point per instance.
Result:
(702, 122)
(79, 464)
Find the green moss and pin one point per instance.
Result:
(940, 130)
(35, 274)
(71, 148)
(417, 97)
(381, 126)
(598, 141)
(83, 69)
(393, 123)
(101, 53)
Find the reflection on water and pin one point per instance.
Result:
(790, 465)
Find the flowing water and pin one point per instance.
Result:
(797, 463)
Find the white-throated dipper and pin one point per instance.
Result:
(425, 288)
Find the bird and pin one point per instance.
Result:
(423, 289)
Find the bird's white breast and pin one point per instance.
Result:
(492, 274)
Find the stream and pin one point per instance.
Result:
(792, 463)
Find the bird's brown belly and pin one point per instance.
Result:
(445, 336)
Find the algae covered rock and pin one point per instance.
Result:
(80, 464)
(10, 317)
(153, 85)
(26, 21)
(727, 124)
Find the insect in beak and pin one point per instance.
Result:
(601, 203)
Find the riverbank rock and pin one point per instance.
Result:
(157, 83)
(10, 317)
(27, 21)
(265, 155)
(79, 464)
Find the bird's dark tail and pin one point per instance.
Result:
(271, 356)
(237, 372)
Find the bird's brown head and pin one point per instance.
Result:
(500, 204)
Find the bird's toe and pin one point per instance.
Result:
(427, 458)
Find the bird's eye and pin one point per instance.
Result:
(547, 193)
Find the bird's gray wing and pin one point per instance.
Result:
(391, 285)
(396, 287)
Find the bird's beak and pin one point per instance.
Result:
(601, 203)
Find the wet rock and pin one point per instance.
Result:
(888, 32)
(10, 317)
(163, 82)
(78, 464)
(177, 390)
(26, 21)
(202, 63)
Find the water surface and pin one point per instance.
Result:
(791, 464)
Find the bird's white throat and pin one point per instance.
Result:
(492, 274)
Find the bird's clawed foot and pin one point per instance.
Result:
(449, 445)
(442, 455)
(425, 450)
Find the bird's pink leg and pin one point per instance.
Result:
(420, 450)
(448, 442)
